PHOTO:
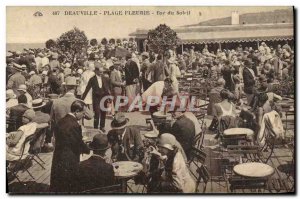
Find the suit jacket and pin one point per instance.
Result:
(116, 83)
(184, 131)
(97, 93)
(249, 81)
(16, 113)
(131, 141)
(66, 156)
(94, 173)
(62, 106)
(131, 72)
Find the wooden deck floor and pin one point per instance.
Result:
(281, 157)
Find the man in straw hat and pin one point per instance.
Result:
(16, 79)
(95, 172)
(11, 98)
(249, 80)
(100, 88)
(43, 118)
(125, 140)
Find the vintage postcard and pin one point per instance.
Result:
(150, 100)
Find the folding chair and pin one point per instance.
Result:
(105, 190)
(239, 182)
(203, 174)
(36, 145)
(24, 160)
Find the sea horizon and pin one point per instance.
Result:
(21, 46)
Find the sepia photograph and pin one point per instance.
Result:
(150, 100)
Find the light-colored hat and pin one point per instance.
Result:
(9, 54)
(18, 53)
(45, 72)
(40, 54)
(120, 121)
(67, 65)
(22, 87)
(38, 103)
(10, 94)
(167, 141)
(145, 54)
(24, 67)
(151, 135)
(17, 67)
(70, 81)
(31, 72)
(79, 71)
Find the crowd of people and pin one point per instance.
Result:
(50, 88)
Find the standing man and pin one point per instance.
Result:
(68, 147)
(145, 69)
(100, 88)
(249, 81)
(116, 81)
(159, 73)
(131, 77)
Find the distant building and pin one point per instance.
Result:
(275, 27)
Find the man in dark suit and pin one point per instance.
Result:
(16, 112)
(184, 131)
(126, 141)
(95, 172)
(68, 147)
(100, 86)
(249, 80)
(132, 78)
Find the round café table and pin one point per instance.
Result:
(125, 170)
(238, 131)
(161, 115)
(254, 170)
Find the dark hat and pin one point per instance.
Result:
(100, 142)
(119, 121)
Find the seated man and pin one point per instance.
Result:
(95, 172)
(214, 95)
(41, 117)
(17, 111)
(184, 131)
(125, 140)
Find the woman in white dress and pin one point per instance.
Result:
(85, 77)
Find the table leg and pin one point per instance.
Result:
(124, 185)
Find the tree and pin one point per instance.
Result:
(50, 43)
(72, 42)
(162, 38)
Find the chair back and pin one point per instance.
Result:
(197, 155)
(37, 141)
(105, 190)
(26, 146)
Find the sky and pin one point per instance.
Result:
(23, 27)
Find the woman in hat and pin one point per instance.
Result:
(175, 176)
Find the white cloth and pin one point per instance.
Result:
(45, 61)
(29, 100)
(13, 153)
(181, 175)
(271, 124)
(156, 89)
(86, 76)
